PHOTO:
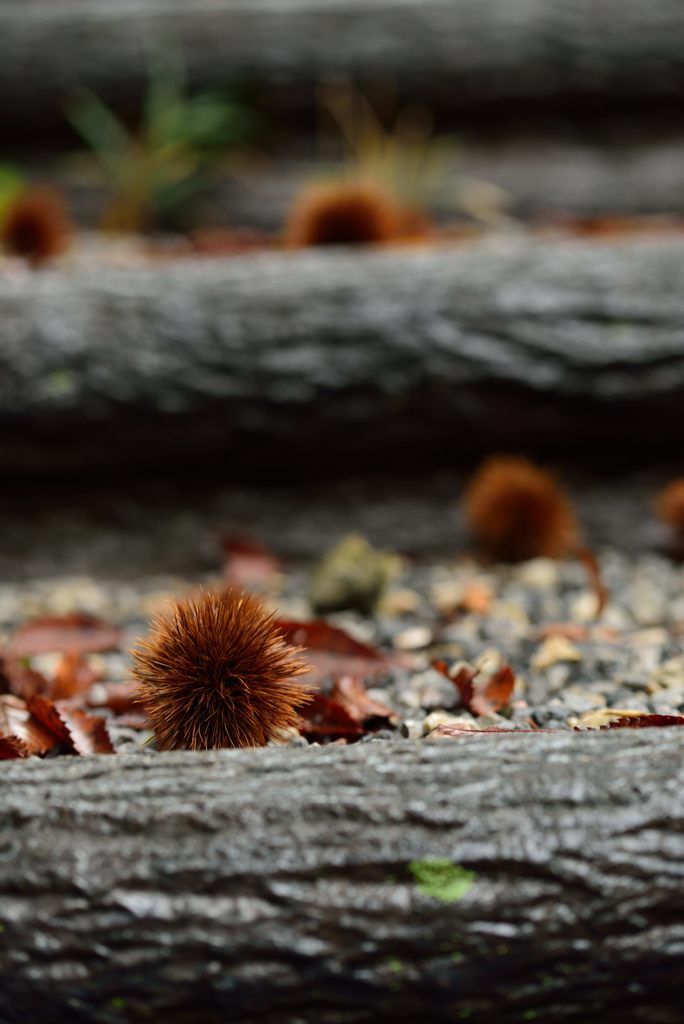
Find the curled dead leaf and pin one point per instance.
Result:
(77, 632)
(81, 732)
(73, 677)
(333, 653)
(22, 730)
(11, 749)
(352, 695)
(645, 722)
(325, 719)
(22, 680)
(481, 694)
(598, 717)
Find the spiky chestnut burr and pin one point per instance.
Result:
(215, 671)
(515, 510)
(36, 226)
(343, 213)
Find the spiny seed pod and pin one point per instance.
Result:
(515, 510)
(215, 671)
(343, 213)
(36, 226)
(670, 506)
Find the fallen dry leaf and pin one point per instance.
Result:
(45, 711)
(603, 716)
(84, 733)
(333, 653)
(494, 693)
(11, 749)
(325, 719)
(352, 695)
(88, 732)
(73, 677)
(22, 680)
(21, 729)
(645, 722)
(78, 632)
(481, 694)
(318, 635)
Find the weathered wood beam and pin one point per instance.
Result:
(277, 884)
(287, 360)
(458, 54)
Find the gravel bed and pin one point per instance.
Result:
(631, 659)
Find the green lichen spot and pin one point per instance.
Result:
(61, 382)
(530, 1015)
(117, 1003)
(457, 957)
(395, 965)
(441, 879)
(2, 928)
(464, 1013)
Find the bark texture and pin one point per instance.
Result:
(284, 360)
(277, 885)
(460, 53)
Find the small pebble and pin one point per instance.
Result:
(555, 648)
(413, 639)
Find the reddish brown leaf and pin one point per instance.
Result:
(463, 680)
(73, 677)
(323, 718)
(351, 694)
(318, 635)
(246, 562)
(11, 749)
(78, 632)
(481, 695)
(494, 693)
(21, 729)
(84, 733)
(22, 680)
(332, 652)
(88, 732)
(645, 722)
(47, 713)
